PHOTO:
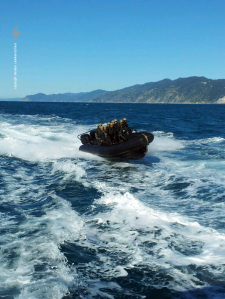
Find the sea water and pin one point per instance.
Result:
(74, 225)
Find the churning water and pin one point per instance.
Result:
(74, 225)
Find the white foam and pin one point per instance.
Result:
(41, 142)
(165, 142)
(74, 170)
(212, 140)
(97, 289)
(129, 224)
(36, 244)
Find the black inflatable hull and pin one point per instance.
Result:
(134, 148)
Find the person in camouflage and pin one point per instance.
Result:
(113, 133)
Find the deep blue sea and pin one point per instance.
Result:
(74, 225)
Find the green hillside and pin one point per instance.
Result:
(195, 90)
(182, 90)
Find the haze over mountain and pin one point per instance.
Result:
(10, 99)
(195, 90)
(65, 97)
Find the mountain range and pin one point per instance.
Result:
(65, 97)
(191, 90)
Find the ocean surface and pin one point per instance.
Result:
(74, 225)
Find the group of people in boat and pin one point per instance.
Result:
(113, 132)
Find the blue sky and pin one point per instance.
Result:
(83, 45)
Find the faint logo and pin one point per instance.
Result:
(15, 32)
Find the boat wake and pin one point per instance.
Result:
(77, 225)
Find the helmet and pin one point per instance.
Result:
(99, 124)
(121, 121)
(108, 124)
(124, 119)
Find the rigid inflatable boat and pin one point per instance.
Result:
(134, 148)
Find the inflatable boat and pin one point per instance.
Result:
(134, 148)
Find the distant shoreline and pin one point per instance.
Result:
(97, 103)
(191, 90)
